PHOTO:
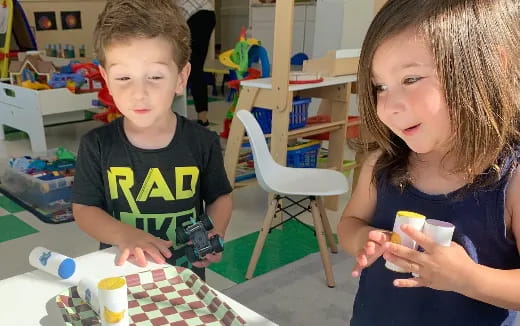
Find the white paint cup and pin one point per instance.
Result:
(398, 236)
(52, 262)
(88, 291)
(113, 301)
(441, 232)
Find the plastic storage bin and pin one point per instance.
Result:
(297, 117)
(352, 131)
(43, 194)
(303, 155)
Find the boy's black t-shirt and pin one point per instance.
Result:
(153, 190)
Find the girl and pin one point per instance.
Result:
(438, 89)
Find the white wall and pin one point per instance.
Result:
(341, 24)
(327, 29)
(234, 14)
(358, 15)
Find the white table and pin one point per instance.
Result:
(29, 299)
(267, 83)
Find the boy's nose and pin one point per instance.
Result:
(139, 90)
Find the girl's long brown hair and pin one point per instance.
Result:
(476, 48)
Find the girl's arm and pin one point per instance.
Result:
(451, 268)
(353, 228)
(494, 286)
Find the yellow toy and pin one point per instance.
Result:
(6, 23)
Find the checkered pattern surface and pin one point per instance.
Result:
(169, 296)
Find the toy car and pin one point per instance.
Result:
(198, 234)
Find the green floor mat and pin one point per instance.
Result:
(281, 247)
(9, 205)
(11, 227)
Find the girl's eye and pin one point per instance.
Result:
(156, 77)
(411, 80)
(380, 88)
(122, 78)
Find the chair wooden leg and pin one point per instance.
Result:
(326, 226)
(322, 243)
(261, 238)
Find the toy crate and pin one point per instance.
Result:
(297, 117)
(46, 195)
(303, 155)
(352, 131)
(30, 110)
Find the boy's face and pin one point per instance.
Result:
(143, 79)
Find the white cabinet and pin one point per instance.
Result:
(262, 27)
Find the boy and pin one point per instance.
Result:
(143, 175)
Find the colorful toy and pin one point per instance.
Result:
(59, 80)
(198, 234)
(64, 154)
(13, 22)
(111, 112)
(240, 59)
(32, 67)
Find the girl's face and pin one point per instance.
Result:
(410, 100)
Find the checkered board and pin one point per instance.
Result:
(169, 296)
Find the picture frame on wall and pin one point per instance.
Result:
(45, 20)
(70, 20)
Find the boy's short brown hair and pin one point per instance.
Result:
(125, 19)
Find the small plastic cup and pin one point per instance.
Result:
(415, 220)
(440, 231)
(113, 301)
(88, 291)
(52, 262)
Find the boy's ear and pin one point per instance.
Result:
(183, 79)
(104, 74)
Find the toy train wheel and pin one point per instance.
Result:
(206, 221)
(190, 254)
(181, 235)
(216, 243)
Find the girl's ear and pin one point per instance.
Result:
(182, 80)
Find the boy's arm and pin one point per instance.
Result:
(100, 225)
(220, 212)
(130, 240)
(353, 228)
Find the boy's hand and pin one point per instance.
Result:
(138, 243)
(373, 249)
(209, 258)
(440, 268)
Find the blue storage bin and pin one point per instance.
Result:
(303, 155)
(297, 117)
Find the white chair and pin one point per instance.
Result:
(285, 181)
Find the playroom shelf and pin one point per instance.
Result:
(314, 129)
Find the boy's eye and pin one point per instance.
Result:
(411, 80)
(156, 77)
(122, 78)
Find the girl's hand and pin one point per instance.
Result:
(373, 249)
(440, 268)
(138, 243)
